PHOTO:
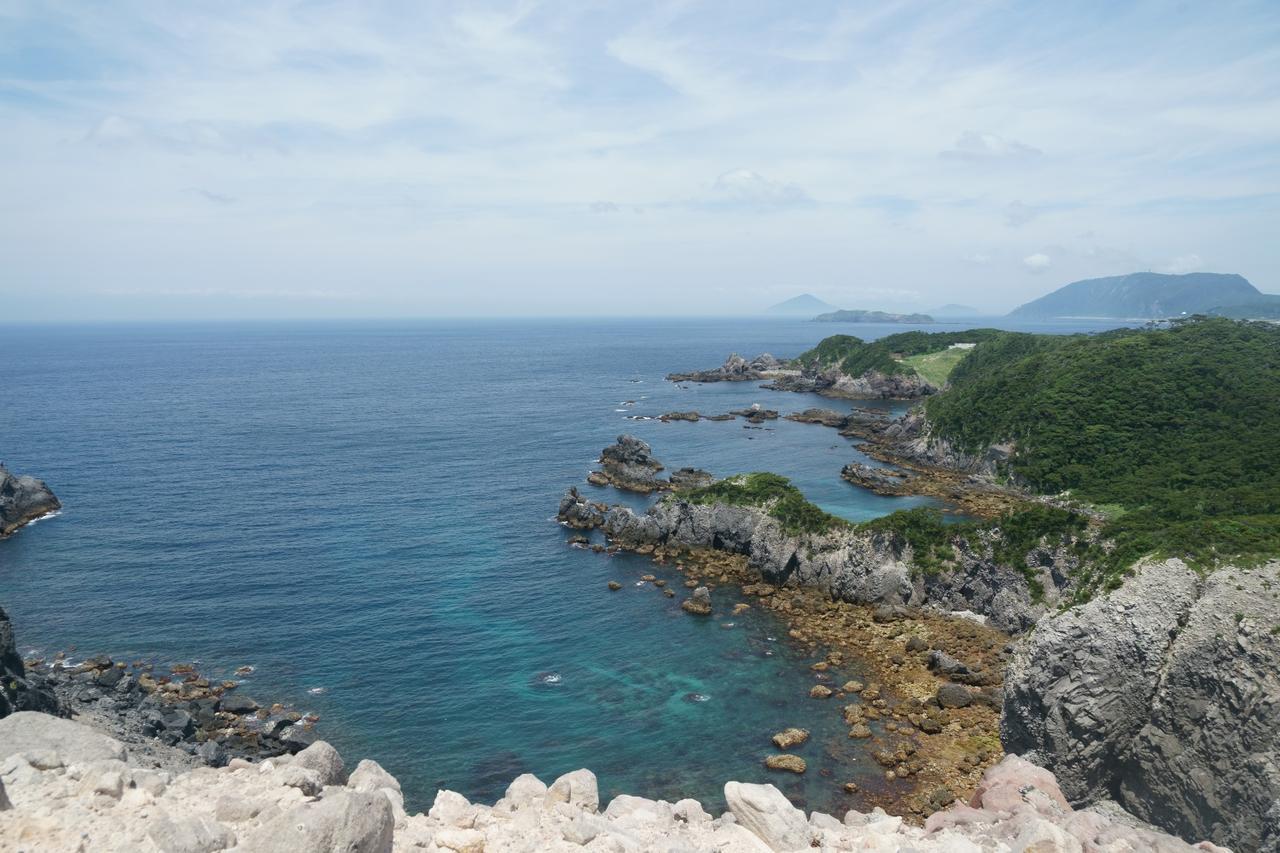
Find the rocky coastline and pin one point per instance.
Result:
(64, 786)
(827, 380)
(23, 499)
(849, 564)
(1161, 696)
(170, 717)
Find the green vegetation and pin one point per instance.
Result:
(935, 367)
(1174, 429)
(890, 354)
(771, 492)
(1169, 436)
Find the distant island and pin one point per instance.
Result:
(1153, 296)
(806, 304)
(951, 309)
(871, 317)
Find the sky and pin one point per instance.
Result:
(422, 159)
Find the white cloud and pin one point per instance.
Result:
(1037, 263)
(988, 147)
(437, 152)
(746, 186)
(1184, 264)
(1017, 214)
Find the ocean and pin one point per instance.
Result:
(364, 513)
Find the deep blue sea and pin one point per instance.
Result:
(364, 512)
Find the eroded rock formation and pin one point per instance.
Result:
(1164, 696)
(853, 565)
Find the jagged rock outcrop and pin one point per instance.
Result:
(691, 478)
(22, 500)
(882, 481)
(911, 438)
(629, 464)
(580, 513)
(854, 565)
(735, 369)
(1163, 695)
(20, 691)
(830, 381)
(64, 787)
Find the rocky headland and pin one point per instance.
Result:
(64, 786)
(814, 376)
(853, 564)
(23, 499)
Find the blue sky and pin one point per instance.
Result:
(175, 160)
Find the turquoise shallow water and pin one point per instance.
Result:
(364, 513)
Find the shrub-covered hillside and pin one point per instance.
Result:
(1177, 429)
(891, 354)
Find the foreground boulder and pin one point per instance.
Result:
(66, 787)
(22, 500)
(1163, 696)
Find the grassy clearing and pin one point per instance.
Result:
(935, 367)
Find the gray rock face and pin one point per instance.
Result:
(1164, 696)
(855, 566)
(18, 691)
(691, 478)
(23, 499)
(576, 511)
(735, 369)
(629, 464)
(830, 381)
(912, 438)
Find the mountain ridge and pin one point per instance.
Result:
(1141, 295)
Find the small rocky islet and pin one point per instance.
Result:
(23, 499)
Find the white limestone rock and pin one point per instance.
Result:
(766, 812)
(578, 788)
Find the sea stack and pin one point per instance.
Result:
(23, 500)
